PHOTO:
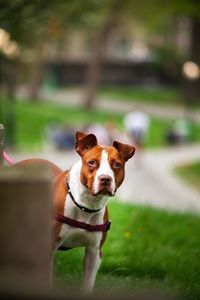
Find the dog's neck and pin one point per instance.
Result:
(81, 193)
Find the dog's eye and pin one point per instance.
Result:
(92, 163)
(116, 165)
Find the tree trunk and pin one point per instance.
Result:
(36, 71)
(36, 78)
(95, 64)
(9, 74)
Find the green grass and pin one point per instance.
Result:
(146, 249)
(32, 119)
(155, 95)
(190, 173)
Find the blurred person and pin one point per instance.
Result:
(179, 132)
(112, 131)
(61, 137)
(137, 124)
(104, 133)
(183, 130)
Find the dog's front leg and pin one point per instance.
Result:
(91, 265)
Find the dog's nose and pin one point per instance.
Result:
(105, 179)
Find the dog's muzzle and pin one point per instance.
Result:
(105, 185)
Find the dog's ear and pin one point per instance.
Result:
(126, 151)
(80, 135)
(85, 142)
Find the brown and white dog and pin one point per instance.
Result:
(80, 199)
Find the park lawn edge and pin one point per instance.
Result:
(190, 174)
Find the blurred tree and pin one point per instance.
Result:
(110, 20)
(189, 9)
(156, 16)
(23, 21)
(33, 23)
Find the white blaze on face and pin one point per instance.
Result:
(104, 169)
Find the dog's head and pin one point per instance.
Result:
(102, 167)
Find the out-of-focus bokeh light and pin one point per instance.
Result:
(7, 46)
(191, 70)
(4, 38)
(12, 49)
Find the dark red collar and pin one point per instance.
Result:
(74, 223)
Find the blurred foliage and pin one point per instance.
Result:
(26, 21)
(157, 14)
(166, 54)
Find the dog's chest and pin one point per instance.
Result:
(74, 237)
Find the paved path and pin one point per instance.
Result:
(74, 98)
(150, 180)
(149, 177)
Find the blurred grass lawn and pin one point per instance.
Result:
(190, 173)
(145, 249)
(149, 95)
(33, 118)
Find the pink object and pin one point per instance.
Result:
(7, 158)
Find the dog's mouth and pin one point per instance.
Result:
(104, 191)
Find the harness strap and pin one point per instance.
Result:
(100, 227)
